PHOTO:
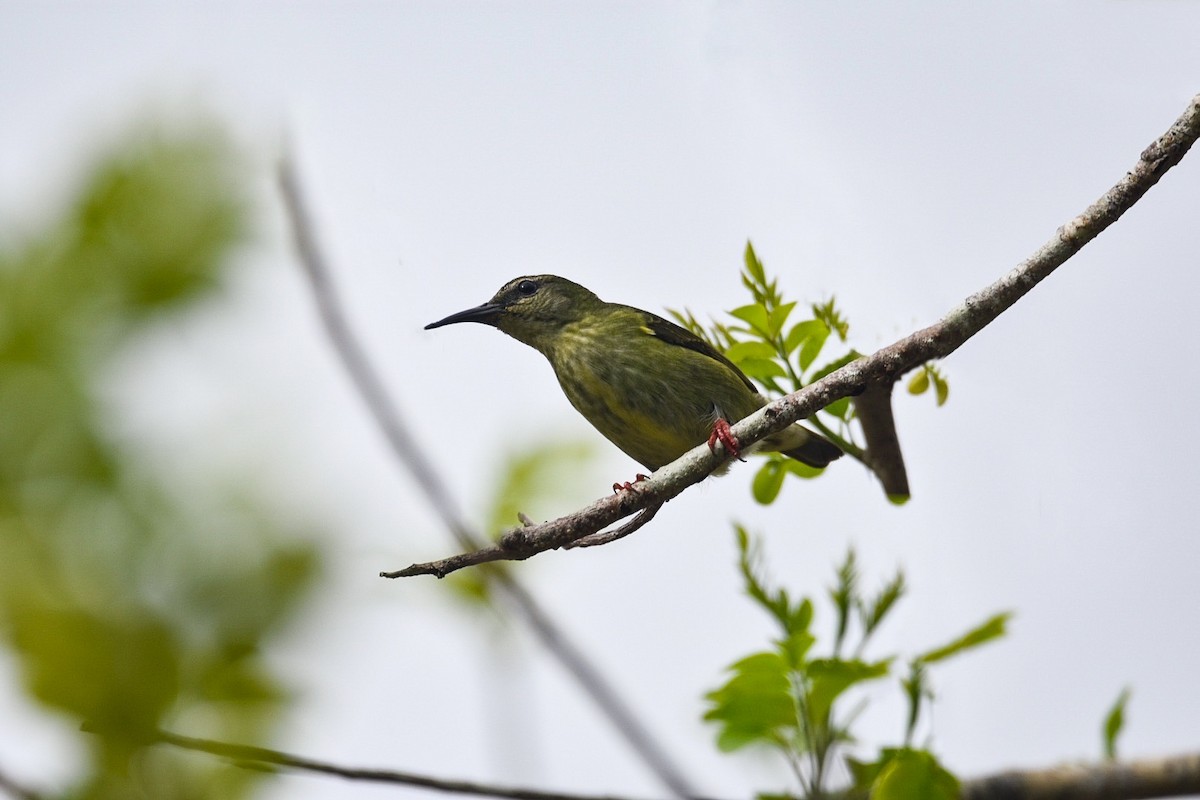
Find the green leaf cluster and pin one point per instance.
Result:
(795, 701)
(783, 354)
(930, 375)
(126, 609)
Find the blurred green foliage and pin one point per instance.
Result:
(794, 702)
(530, 477)
(127, 612)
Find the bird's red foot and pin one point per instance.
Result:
(627, 486)
(722, 434)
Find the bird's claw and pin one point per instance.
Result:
(627, 486)
(721, 433)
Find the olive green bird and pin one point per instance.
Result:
(653, 388)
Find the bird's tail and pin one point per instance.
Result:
(805, 446)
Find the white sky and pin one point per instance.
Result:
(899, 155)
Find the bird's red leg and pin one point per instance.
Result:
(721, 433)
(627, 486)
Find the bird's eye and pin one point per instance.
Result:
(527, 287)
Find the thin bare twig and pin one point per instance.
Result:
(1130, 780)
(881, 368)
(259, 757)
(385, 411)
(642, 517)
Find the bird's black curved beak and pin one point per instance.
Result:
(487, 313)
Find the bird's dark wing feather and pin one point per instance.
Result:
(674, 334)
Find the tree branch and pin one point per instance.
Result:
(1130, 780)
(881, 368)
(1175, 776)
(250, 757)
(385, 411)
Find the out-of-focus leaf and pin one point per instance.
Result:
(919, 383)
(754, 704)
(845, 597)
(883, 602)
(829, 677)
(802, 470)
(942, 388)
(119, 673)
(916, 689)
(534, 476)
(768, 481)
(993, 628)
(128, 601)
(914, 775)
(1114, 721)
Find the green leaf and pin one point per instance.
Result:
(754, 704)
(840, 408)
(1113, 723)
(919, 383)
(942, 388)
(811, 348)
(883, 602)
(768, 481)
(779, 316)
(864, 773)
(754, 267)
(800, 469)
(801, 331)
(993, 628)
(796, 646)
(762, 370)
(829, 677)
(845, 596)
(836, 364)
(914, 775)
(743, 351)
(829, 313)
(915, 689)
(756, 588)
(755, 315)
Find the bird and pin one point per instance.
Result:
(651, 387)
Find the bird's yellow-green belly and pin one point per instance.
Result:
(653, 412)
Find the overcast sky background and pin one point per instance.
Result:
(900, 155)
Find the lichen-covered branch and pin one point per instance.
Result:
(1176, 776)
(881, 368)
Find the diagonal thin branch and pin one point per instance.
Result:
(883, 367)
(1131, 780)
(251, 757)
(386, 414)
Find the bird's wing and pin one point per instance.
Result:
(677, 335)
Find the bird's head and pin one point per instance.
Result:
(532, 309)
